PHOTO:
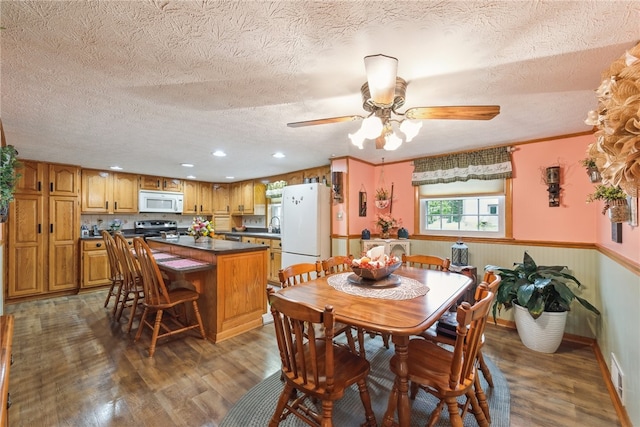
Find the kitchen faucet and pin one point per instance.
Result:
(273, 228)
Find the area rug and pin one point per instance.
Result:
(256, 407)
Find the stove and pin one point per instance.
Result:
(154, 228)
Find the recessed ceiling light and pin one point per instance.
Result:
(219, 153)
(191, 177)
(186, 165)
(115, 168)
(229, 177)
(278, 155)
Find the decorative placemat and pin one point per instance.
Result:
(184, 263)
(407, 289)
(164, 255)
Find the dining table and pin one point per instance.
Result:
(405, 304)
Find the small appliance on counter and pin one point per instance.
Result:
(96, 232)
(155, 228)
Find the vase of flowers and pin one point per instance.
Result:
(385, 223)
(200, 227)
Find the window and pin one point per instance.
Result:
(471, 208)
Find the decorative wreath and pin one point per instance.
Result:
(617, 147)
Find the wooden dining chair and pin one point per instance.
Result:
(313, 366)
(448, 374)
(132, 291)
(336, 264)
(430, 262)
(161, 303)
(299, 273)
(115, 273)
(303, 272)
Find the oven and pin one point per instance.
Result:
(155, 228)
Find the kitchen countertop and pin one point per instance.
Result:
(263, 234)
(216, 246)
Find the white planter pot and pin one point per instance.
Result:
(543, 334)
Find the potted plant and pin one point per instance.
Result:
(8, 178)
(615, 202)
(542, 297)
(592, 170)
(382, 198)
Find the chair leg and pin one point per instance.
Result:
(454, 412)
(366, 402)
(482, 398)
(385, 340)
(476, 409)
(391, 406)
(361, 342)
(484, 368)
(156, 330)
(118, 296)
(327, 412)
(110, 293)
(134, 308)
(282, 402)
(196, 312)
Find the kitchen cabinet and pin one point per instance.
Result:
(95, 268)
(272, 277)
(148, 182)
(197, 198)
(109, 192)
(221, 199)
(248, 198)
(44, 229)
(275, 261)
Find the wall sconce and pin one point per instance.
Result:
(552, 178)
(336, 183)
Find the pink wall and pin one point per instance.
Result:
(574, 221)
(533, 219)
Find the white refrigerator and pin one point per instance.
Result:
(306, 223)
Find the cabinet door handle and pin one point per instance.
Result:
(195, 208)
(39, 228)
(106, 205)
(115, 206)
(50, 228)
(39, 186)
(158, 184)
(51, 187)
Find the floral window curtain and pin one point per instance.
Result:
(492, 163)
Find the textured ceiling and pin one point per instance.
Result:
(147, 85)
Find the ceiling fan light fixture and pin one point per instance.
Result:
(381, 77)
(357, 139)
(392, 141)
(371, 127)
(410, 128)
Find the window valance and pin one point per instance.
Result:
(491, 163)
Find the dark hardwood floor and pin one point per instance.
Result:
(75, 367)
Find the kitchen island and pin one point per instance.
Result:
(232, 292)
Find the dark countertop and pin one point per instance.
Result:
(216, 246)
(126, 233)
(263, 234)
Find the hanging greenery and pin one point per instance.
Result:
(8, 174)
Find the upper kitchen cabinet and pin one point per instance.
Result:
(159, 183)
(107, 192)
(247, 198)
(64, 180)
(221, 199)
(31, 179)
(198, 198)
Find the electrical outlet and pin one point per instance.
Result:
(617, 378)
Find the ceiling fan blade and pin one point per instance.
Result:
(324, 121)
(470, 112)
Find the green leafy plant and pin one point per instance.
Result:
(382, 194)
(537, 288)
(8, 174)
(607, 193)
(588, 163)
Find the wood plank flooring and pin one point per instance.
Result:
(75, 367)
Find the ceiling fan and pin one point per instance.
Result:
(383, 95)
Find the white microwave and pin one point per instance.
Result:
(160, 202)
